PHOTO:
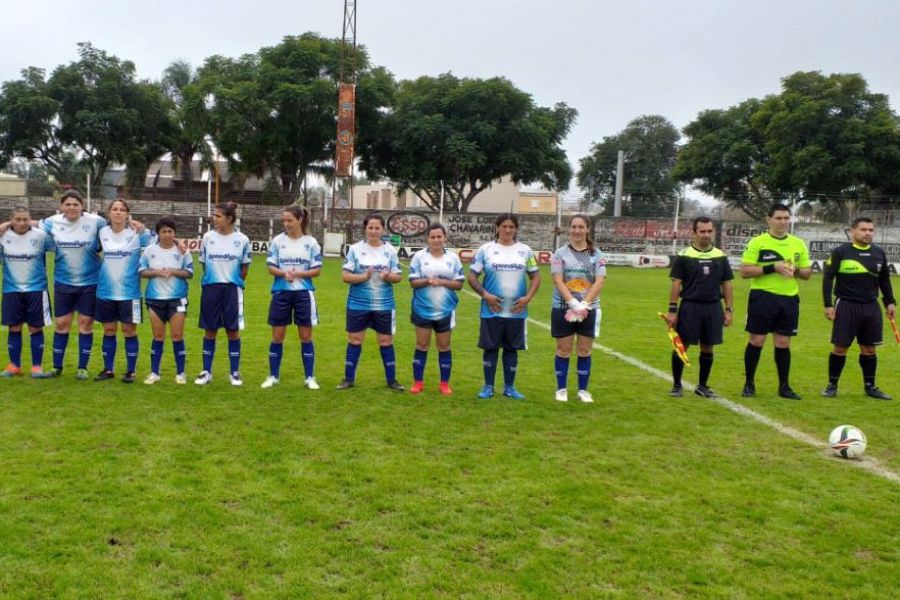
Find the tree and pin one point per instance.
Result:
(650, 145)
(468, 134)
(189, 119)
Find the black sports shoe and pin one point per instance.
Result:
(128, 377)
(704, 391)
(785, 391)
(345, 384)
(105, 376)
(830, 391)
(873, 392)
(395, 385)
(54, 372)
(749, 390)
(676, 391)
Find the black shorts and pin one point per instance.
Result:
(854, 320)
(296, 305)
(71, 298)
(439, 325)
(560, 328)
(503, 332)
(121, 311)
(700, 322)
(27, 307)
(166, 309)
(768, 312)
(382, 321)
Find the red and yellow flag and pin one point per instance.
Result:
(677, 344)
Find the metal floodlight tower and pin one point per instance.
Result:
(346, 126)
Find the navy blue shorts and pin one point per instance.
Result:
(439, 325)
(27, 307)
(299, 305)
(503, 332)
(71, 298)
(222, 305)
(166, 309)
(560, 328)
(382, 321)
(123, 311)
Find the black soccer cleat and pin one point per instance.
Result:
(345, 384)
(873, 392)
(749, 390)
(128, 377)
(785, 391)
(105, 376)
(396, 386)
(676, 391)
(704, 391)
(830, 391)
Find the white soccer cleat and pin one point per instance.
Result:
(204, 378)
(562, 395)
(269, 382)
(311, 383)
(235, 379)
(585, 396)
(151, 379)
(181, 379)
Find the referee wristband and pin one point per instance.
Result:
(673, 307)
(768, 269)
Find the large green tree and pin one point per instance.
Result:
(189, 119)
(468, 134)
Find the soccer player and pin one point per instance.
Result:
(579, 273)
(225, 255)
(505, 295)
(854, 273)
(435, 274)
(702, 278)
(295, 257)
(773, 261)
(167, 270)
(23, 250)
(371, 269)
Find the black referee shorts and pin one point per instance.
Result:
(700, 322)
(768, 313)
(856, 320)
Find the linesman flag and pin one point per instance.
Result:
(677, 344)
(894, 327)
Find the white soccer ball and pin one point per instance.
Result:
(847, 441)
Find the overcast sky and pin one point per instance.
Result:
(610, 60)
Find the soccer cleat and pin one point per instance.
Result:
(511, 392)
(103, 376)
(487, 391)
(204, 378)
(151, 378)
(445, 389)
(676, 391)
(11, 370)
(830, 391)
(749, 390)
(54, 372)
(128, 377)
(180, 379)
(345, 384)
(235, 379)
(704, 391)
(417, 387)
(585, 396)
(82, 375)
(562, 395)
(785, 391)
(269, 382)
(395, 385)
(37, 372)
(311, 383)
(873, 392)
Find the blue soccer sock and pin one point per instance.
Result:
(308, 353)
(14, 345)
(37, 348)
(561, 366)
(60, 341)
(180, 355)
(353, 352)
(85, 345)
(234, 355)
(489, 360)
(390, 363)
(276, 351)
(510, 364)
(156, 352)
(584, 371)
(132, 349)
(445, 363)
(209, 352)
(108, 348)
(420, 357)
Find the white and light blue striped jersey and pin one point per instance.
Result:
(579, 270)
(119, 279)
(302, 254)
(77, 248)
(375, 293)
(223, 256)
(159, 288)
(435, 302)
(25, 260)
(505, 269)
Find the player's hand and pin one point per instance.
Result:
(519, 305)
(289, 275)
(137, 226)
(493, 302)
(786, 269)
(369, 273)
(182, 247)
(829, 313)
(729, 318)
(385, 275)
(891, 311)
(672, 319)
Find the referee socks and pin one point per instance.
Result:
(836, 364)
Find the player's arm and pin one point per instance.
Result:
(674, 294)
(728, 295)
(245, 268)
(593, 292)
(534, 284)
(831, 266)
(887, 291)
(493, 302)
(780, 267)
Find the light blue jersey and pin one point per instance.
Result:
(434, 302)
(155, 257)
(119, 279)
(579, 270)
(374, 294)
(302, 254)
(25, 260)
(223, 256)
(77, 248)
(505, 269)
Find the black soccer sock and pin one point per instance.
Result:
(836, 364)
(783, 365)
(869, 364)
(677, 369)
(751, 361)
(706, 362)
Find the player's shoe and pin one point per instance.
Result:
(128, 377)
(830, 391)
(345, 384)
(204, 378)
(417, 387)
(11, 370)
(487, 391)
(52, 373)
(786, 392)
(180, 379)
(310, 383)
(82, 375)
(151, 378)
(445, 389)
(103, 376)
(396, 386)
(235, 379)
(676, 391)
(511, 392)
(269, 382)
(37, 372)
(562, 395)
(585, 396)
(749, 390)
(873, 392)
(704, 391)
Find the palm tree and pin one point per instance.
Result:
(180, 83)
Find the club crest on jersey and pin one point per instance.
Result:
(85, 228)
(35, 243)
(236, 243)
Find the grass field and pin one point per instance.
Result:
(108, 490)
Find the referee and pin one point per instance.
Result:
(854, 273)
(701, 277)
(773, 261)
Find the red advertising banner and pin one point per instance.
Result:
(346, 129)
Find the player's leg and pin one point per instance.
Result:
(357, 321)
(513, 340)
(176, 329)
(711, 335)
(385, 326)
(843, 332)
(306, 317)
(108, 346)
(85, 306)
(869, 338)
(157, 344)
(583, 348)
(561, 361)
(420, 357)
(489, 341)
(786, 326)
(445, 359)
(280, 313)
(14, 347)
(64, 299)
(132, 346)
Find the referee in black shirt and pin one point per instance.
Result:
(854, 273)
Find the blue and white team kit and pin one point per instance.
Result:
(222, 296)
(25, 291)
(435, 303)
(504, 270)
(119, 284)
(371, 302)
(294, 298)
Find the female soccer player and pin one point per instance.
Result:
(504, 301)
(371, 269)
(294, 259)
(579, 271)
(119, 289)
(225, 255)
(167, 270)
(435, 275)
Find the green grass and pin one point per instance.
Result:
(108, 490)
